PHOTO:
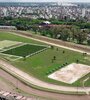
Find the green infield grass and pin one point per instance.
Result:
(42, 64)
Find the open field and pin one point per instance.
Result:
(41, 64)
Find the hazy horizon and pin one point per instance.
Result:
(45, 1)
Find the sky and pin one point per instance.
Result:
(44, 0)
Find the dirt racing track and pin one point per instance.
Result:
(42, 85)
(50, 95)
(29, 79)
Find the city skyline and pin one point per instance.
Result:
(44, 1)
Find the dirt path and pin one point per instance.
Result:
(30, 90)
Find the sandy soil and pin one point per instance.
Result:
(70, 73)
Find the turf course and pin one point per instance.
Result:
(40, 64)
(24, 50)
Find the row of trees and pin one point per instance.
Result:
(76, 31)
(70, 33)
(20, 23)
(27, 22)
(80, 22)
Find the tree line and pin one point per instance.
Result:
(65, 33)
(74, 31)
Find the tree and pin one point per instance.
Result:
(88, 41)
(52, 47)
(65, 34)
(35, 28)
(74, 31)
(77, 61)
(55, 31)
(81, 36)
(63, 51)
(54, 57)
(24, 57)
